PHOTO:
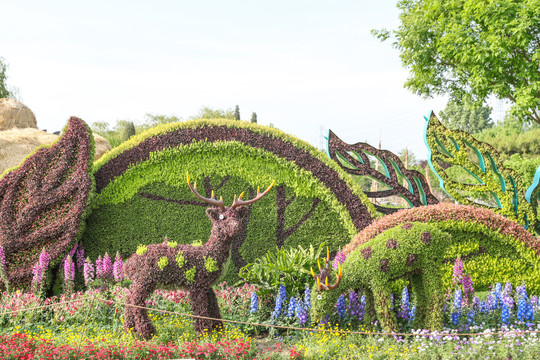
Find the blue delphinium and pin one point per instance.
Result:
(505, 314)
(491, 302)
(292, 307)
(476, 303)
(283, 293)
(301, 312)
(411, 313)
(280, 299)
(530, 312)
(341, 306)
(470, 317)
(362, 308)
(354, 307)
(483, 306)
(455, 318)
(458, 297)
(405, 306)
(522, 309)
(254, 303)
(307, 297)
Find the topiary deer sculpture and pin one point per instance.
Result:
(194, 268)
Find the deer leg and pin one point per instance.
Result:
(383, 305)
(204, 303)
(138, 317)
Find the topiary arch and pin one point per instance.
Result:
(142, 195)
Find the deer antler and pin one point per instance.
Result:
(325, 272)
(239, 202)
(219, 203)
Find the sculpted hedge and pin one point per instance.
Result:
(43, 202)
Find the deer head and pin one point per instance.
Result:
(227, 220)
(324, 274)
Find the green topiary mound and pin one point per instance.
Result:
(493, 247)
(142, 195)
(412, 251)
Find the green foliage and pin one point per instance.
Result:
(141, 250)
(471, 50)
(526, 167)
(207, 112)
(172, 244)
(5, 91)
(197, 243)
(129, 131)
(210, 264)
(180, 259)
(254, 117)
(162, 262)
(467, 117)
(237, 112)
(289, 267)
(190, 274)
(413, 252)
(473, 173)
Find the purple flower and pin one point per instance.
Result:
(39, 271)
(457, 275)
(69, 269)
(80, 258)
(301, 312)
(117, 268)
(2, 257)
(339, 259)
(3, 269)
(107, 267)
(468, 289)
(99, 267)
(88, 272)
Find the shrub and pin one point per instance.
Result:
(493, 247)
(43, 202)
(142, 196)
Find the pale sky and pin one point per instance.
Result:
(300, 65)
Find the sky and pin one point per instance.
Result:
(303, 66)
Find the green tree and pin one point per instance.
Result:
(5, 91)
(206, 112)
(471, 50)
(153, 120)
(237, 112)
(129, 131)
(254, 117)
(467, 117)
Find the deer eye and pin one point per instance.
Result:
(221, 216)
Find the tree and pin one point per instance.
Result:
(237, 112)
(254, 117)
(467, 117)
(471, 50)
(206, 112)
(129, 131)
(153, 120)
(5, 92)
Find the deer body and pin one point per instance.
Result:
(194, 268)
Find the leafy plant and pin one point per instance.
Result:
(290, 267)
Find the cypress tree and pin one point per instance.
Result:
(129, 131)
(254, 117)
(237, 112)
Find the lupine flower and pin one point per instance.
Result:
(292, 307)
(80, 258)
(341, 306)
(69, 274)
(3, 269)
(338, 259)
(117, 268)
(39, 271)
(99, 267)
(301, 313)
(468, 289)
(505, 314)
(88, 272)
(457, 275)
(307, 297)
(254, 303)
(107, 267)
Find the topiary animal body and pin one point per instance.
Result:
(413, 251)
(194, 268)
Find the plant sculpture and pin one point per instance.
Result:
(190, 267)
(412, 251)
(43, 202)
